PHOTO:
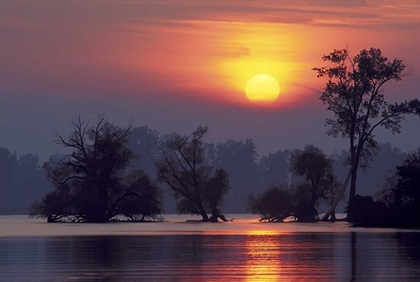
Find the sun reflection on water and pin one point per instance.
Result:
(263, 256)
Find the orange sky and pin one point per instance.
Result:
(182, 50)
(208, 48)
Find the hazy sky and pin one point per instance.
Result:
(174, 64)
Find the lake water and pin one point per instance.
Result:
(243, 250)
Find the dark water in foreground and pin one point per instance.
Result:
(194, 253)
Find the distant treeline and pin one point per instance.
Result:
(23, 180)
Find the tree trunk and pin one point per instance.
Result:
(337, 200)
(199, 204)
(353, 184)
(215, 216)
(203, 213)
(333, 218)
(97, 212)
(314, 188)
(355, 158)
(205, 217)
(352, 193)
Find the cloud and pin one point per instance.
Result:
(94, 14)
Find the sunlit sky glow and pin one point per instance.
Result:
(174, 64)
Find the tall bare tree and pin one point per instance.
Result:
(354, 93)
(91, 183)
(198, 187)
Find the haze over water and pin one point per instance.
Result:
(244, 250)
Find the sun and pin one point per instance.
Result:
(262, 89)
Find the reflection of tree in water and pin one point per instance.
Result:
(409, 246)
(191, 257)
(116, 258)
(384, 256)
(254, 257)
(104, 258)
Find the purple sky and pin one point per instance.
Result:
(174, 64)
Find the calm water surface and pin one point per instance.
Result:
(245, 250)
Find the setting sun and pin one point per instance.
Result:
(262, 89)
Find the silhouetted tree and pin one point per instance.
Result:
(366, 212)
(369, 182)
(91, 183)
(273, 205)
(354, 93)
(197, 187)
(319, 182)
(402, 192)
(399, 201)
